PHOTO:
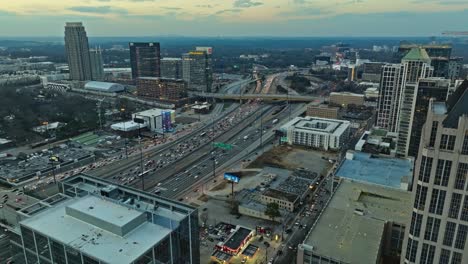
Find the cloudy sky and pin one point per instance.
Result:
(235, 17)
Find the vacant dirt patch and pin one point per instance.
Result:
(219, 187)
(274, 158)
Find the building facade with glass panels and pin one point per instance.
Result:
(95, 221)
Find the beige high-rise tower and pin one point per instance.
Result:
(437, 232)
(77, 50)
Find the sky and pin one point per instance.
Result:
(235, 17)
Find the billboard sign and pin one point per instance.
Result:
(167, 121)
(208, 50)
(231, 177)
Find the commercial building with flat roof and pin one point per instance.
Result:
(323, 111)
(285, 200)
(161, 88)
(157, 120)
(95, 221)
(321, 133)
(346, 98)
(375, 169)
(362, 224)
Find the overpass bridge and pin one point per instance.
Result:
(267, 97)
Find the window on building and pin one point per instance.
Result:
(455, 205)
(442, 172)
(432, 229)
(58, 252)
(451, 142)
(464, 150)
(444, 141)
(43, 245)
(437, 201)
(28, 239)
(457, 258)
(427, 254)
(425, 169)
(464, 210)
(432, 138)
(415, 227)
(461, 176)
(449, 233)
(444, 256)
(411, 250)
(461, 237)
(420, 199)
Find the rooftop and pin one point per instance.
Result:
(235, 241)
(344, 235)
(72, 223)
(281, 195)
(104, 86)
(323, 125)
(385, 171)
(346, 93)
(418, 54)
(153, 112)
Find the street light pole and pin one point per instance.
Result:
(141, 160)
(213, 149)
(122, 110)
(261, 131)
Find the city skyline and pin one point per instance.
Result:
(236, 17)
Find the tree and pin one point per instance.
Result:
(272, 210)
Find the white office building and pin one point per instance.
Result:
(321, 133)
(157, 120)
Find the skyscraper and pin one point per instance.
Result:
(196, 69)
(417, 65)
(398, 91)
(145, 59)
(434, 87)
(438, 228)
(97, 68)
(439, 54)
(388, 105)
(171, 68)
(77, 50)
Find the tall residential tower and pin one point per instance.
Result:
(77, 50)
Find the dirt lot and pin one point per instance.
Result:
(291, 158)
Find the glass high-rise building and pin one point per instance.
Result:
(197, 69)
(171, 68)
(145, 59)
(93, 221)
(427, 88)
(77, 51)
